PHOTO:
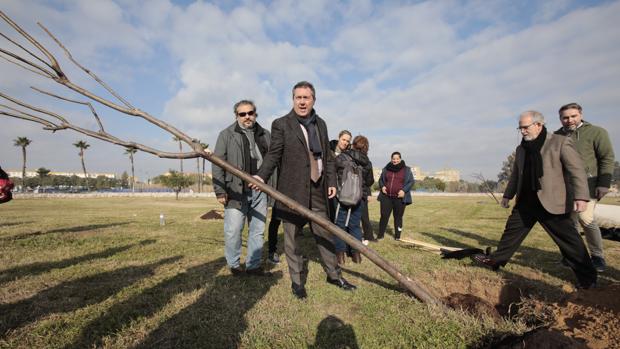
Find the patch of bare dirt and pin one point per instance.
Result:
(213, 214)
(582, 319)
(591, 315)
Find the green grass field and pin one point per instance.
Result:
(81, 273)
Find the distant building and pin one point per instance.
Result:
(418, 174)
(448, 175)
(30, 173)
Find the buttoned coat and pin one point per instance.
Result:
(564, 177)
(288, 152)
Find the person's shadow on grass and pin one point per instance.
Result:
(75, 294)
(76, 229)
(333, 333)
(42, 267)
(545, 261)
(217, 318)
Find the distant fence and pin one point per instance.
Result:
(212, 195)
(18, 196)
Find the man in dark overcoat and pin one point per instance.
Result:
(300, 150)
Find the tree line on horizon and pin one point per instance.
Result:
(179, 181)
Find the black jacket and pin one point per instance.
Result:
(367, 175)
(288, 152)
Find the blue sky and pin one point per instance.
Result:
(440, 81)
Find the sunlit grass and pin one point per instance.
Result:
(104, 273)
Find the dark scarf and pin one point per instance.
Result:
(250, 165)
(314, 143)
(395, 168)
(532, 155)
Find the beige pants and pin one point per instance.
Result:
(585, 219)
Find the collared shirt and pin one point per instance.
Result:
(319, 160)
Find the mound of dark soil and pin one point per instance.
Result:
(213, 214)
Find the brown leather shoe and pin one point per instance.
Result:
(341, 257)
(356, 257)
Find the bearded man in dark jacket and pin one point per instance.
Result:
(243, 144)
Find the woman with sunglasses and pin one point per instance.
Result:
(396, 182)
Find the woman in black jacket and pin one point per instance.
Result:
(361, 144)
(358, 153)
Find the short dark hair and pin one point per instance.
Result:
(244, 102)
(304, 84)
(361, 143)
(569, 106)
(396, 153)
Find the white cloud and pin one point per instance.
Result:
(440, 81)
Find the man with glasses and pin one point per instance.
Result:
(244, 145)
(307, 174)
(549, 181)
(594, 146)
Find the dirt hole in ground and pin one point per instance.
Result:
(481, 297)
(581, 319)
(213, 214)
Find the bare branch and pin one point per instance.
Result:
(412, 285)
(53, 62)
(23, 66)
(25, 116)
(479, 176)
(34, 65)
(104, 136)
(26, 50)
(37, 109)
(87, 71)
(92, 109)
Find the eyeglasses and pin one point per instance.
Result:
(525, 127)
(243, 114)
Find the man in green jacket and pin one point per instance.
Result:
(594, 146)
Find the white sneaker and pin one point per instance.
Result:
(365, 242)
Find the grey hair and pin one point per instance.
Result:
(536, 116)
(244, 102)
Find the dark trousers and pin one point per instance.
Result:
(389, 205)
(323, 238)
(561, 229)
(274, 224)
(366, 226)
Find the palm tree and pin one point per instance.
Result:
(177, 139)
(130, 152)
(82, 145)
(23, 142)
(43, 173)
